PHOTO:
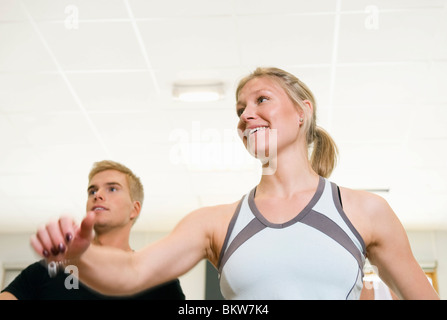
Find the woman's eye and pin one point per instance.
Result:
(240, 112)
(262, 99)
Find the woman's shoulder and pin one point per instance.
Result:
(367, 211)
(211, 220)
(364, 201)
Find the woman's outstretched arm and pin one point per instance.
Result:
(115, 272)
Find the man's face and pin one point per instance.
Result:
(109, 197)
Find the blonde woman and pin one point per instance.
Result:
(295, 235)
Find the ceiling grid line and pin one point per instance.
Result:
(67, 82)
(334, 59)
(384, 87)
(142, 46)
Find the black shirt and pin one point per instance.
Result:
(34, 283)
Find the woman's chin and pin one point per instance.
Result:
(259, 154)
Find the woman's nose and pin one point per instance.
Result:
(248, 114)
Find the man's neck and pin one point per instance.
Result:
(116, 239)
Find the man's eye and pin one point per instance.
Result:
(91, 192)
(240, 112)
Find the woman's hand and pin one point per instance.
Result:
(62, 239)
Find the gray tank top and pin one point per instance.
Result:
(316, 255)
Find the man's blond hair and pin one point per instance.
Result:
(135, 186)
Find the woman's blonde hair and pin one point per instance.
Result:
(135, 186)
(324, 154)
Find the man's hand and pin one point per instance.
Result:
(63, 239)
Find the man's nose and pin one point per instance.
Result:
(99, 195)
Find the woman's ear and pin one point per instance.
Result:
(309, 107)
(305, 111)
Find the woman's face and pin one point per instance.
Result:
(268, 119)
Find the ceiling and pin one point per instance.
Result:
(87, 80)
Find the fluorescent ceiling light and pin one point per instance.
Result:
(197, 91)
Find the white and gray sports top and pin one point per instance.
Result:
(316, 255)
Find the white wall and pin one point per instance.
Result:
(427, 246)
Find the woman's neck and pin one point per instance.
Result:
(288, 174)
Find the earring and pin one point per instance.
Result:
(301, 120)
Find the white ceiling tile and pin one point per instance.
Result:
(34, 93)
(437, 79)
(285, 7)
(396, 36)
(318, 80)
(429, 122)
(366, 165)
(285, 40)
(175, 8)
(10, 10)
(114, 91)
(439, 48)
(191, 43)
(28, 185)
(21, 49)
(387, 84)
(94, 45)
(18, 159)
(130, 128)
(10, 138)
(374, 124)
(391, 4)
(70, 158)
(44, 129)
(82, 9)
(429, 153)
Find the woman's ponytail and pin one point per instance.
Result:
(324, 154)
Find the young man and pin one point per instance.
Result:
(116, 196)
